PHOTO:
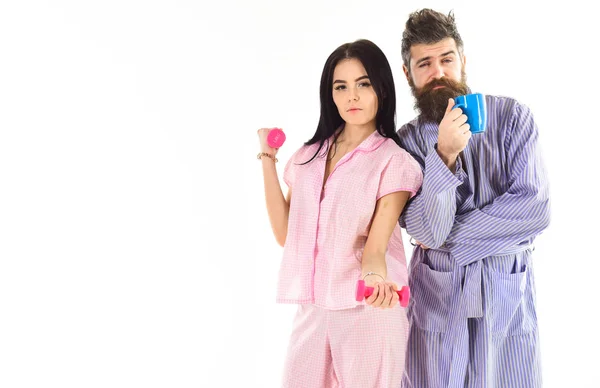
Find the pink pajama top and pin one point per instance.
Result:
(328, 226)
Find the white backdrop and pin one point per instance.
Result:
(135, 249)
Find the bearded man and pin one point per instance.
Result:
(483, 201)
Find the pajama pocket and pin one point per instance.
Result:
(512, 307)
(431, 295)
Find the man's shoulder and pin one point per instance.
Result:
(503, 104)
(504, 112)
(408, 128)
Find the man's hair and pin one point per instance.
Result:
(427, 27)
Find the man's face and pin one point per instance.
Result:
(436, 74)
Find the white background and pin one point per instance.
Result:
(135, 249)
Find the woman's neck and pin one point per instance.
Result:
(355, 134)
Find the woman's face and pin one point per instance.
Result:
(353, 94)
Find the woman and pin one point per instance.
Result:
(350, 183)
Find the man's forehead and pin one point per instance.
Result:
(422, 50)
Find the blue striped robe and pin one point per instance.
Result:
(473, 314)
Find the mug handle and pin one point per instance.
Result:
(459, 105)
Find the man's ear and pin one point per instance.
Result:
(406, 72)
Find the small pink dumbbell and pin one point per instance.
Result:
(275, 138)
(363, 292)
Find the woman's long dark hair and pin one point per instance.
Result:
(380, 75)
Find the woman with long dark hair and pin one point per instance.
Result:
(350, 183)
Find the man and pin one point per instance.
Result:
(483, 201)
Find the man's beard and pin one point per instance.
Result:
(431, 103)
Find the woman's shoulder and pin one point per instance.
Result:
(390, 149)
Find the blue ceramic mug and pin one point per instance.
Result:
(473, 105)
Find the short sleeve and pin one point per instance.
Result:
(401, 173)
(291, 167)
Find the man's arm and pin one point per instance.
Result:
(429, 216)
(517, 215)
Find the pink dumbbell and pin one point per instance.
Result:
(275, 138)
(363, 292)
